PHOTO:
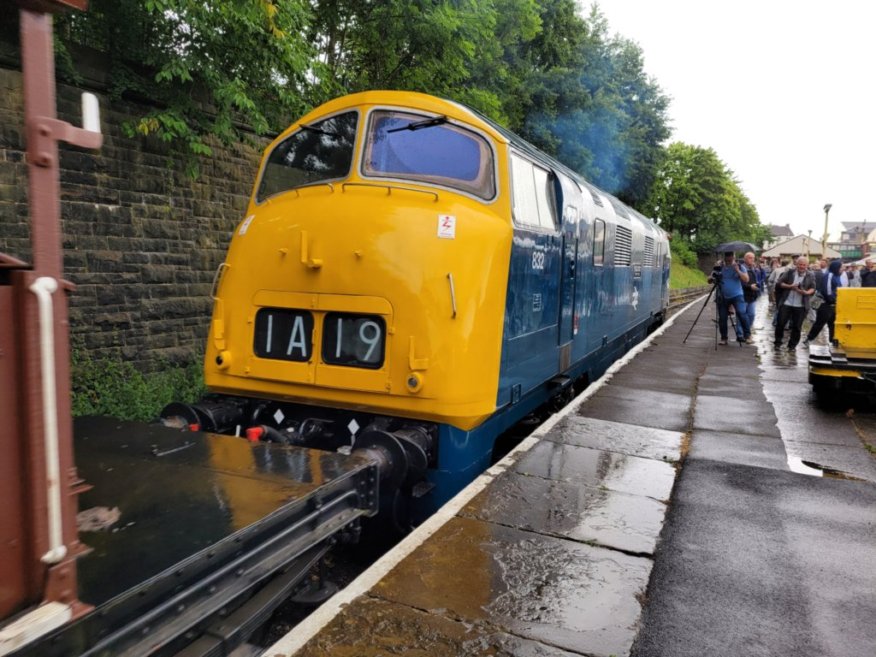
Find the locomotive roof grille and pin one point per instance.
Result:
(619, 209)
(594, 194)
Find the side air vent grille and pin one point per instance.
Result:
(623, 246)
(649, 252)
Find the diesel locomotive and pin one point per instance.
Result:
(411, 280)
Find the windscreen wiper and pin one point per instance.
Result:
(419, 125)
(311, 128)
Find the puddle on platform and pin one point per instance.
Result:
(597, 516)
(597, 468)
(797, 465)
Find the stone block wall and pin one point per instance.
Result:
(142, 239)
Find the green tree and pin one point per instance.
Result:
(697, 198)
(208, 67)
(537, 66)
(594, 107)
(450, 49)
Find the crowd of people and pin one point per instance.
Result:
(796, 290)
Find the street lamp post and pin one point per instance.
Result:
(827, 207)
(809, 246)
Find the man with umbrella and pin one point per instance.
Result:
(729, 278)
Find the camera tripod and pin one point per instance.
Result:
(719, 299)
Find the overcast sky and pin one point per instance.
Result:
(782, 91)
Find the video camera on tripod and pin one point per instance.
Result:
(717, 275)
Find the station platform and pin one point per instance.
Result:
(674, 508)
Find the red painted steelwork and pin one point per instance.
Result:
(16, 588)
(24, 519)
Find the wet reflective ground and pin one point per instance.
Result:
(831, 436)
(163, 496)
(555, 556)
(757, 558)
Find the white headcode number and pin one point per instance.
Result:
(284, 334)
(538, 259)
(296, 338)
(355, 340)
(373, 341)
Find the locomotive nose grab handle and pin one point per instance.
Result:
(43, 288)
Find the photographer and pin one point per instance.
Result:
(729, 277)
(752, 289)
(793, 293)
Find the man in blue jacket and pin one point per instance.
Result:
(826, 286)
(731, 276)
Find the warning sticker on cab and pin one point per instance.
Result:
(447, 226)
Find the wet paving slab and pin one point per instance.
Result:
(826, 436)
(802, 421)
(562, 593)
(372, 627)
(720, 413)
(597, 516)
(683, 384)
(621, 437)
(662, 410)
(741, 449)
(835, 460)
(584, 466)
(720, 385)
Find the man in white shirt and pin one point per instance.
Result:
(793, 292)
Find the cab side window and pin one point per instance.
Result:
(532, 194)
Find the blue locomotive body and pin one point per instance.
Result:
(583, 288)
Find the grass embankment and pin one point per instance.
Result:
(681, 277)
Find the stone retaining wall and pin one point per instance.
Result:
(141, 237)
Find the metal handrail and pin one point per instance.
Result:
(43, 288)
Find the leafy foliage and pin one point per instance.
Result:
(697, 198)
(537, 66)
(117, 389)
(207, 66)
(596, 109)
(682, 253)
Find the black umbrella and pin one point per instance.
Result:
(735, 246)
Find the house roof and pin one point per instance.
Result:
(856, 225)
(781, 231)
(800, 245)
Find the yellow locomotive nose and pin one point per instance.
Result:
(362, 291)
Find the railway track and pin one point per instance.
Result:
(679, 298)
